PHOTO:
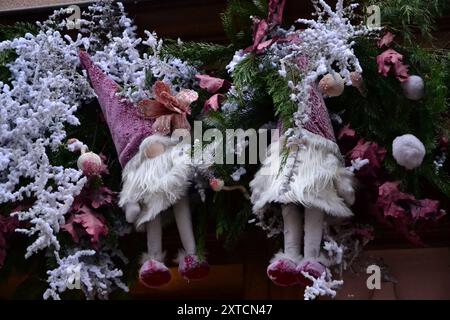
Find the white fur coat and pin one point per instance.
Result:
(157, 183)
(319, 179)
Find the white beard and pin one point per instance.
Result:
(320, 179)
(157, 183)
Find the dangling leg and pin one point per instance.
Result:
(132, 210)
(153, 272)
(191, 267)
(182, 214)
(293, 231)
(282, 270)
(313, 240)
(154, 239)
(313, 232)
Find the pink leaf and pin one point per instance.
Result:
(391, 60)
(386, 40)
(260, 31)
(213, 102)
(92, 222)
(212, 84)
(369, 150)
(346, 132)
(276, 8)
(398, 204)
(403, 226)
(393, 210)
(102, 196)
(425, 209)
(70, 228)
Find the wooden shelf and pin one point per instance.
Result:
(15, 6)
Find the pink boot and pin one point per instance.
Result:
(283, 272)
(313, 268)
(192, 268)
(154, 274)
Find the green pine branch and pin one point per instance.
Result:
(206, 55)
(8, 32)
(407, 18)
(236, 20)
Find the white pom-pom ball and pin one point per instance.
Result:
(408, 151)
(414, 88)
(90, 163)
(332, 85)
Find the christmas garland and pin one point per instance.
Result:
(391, 126)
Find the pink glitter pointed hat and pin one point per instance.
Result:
(127, 127)
(319, 119)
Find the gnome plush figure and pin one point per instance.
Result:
(311, 184)
(156, 169)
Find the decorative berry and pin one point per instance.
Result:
(332, 85)
(216, 184)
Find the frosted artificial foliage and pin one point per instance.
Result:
(237, 58)
(229, 107)
(236, 175)
(45, 92)
(439, 162)
(104, 20)
(56, 21)
(322, 286)
(335, 252)
(272, 224)
(95, 271)
(166, 68)
(237, 98)
(46, 89)
(75, 145)
(344, 247)
(122, 60)
(110, 37)
(358, 164)
(327, 44)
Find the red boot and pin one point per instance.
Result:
(283, 272)
(313, 268)
(192, 268)
(154, 274)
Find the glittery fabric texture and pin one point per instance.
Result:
(319, 120)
